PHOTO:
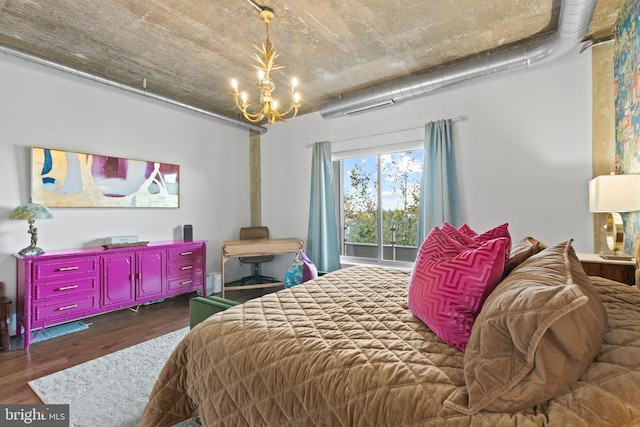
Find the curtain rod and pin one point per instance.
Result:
(455, 119)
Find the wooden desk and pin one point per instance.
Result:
(256, 247)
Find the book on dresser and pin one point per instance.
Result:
(62, 286)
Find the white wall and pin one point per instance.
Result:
(523, 152)
(43, 107)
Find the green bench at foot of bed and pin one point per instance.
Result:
(201, 308)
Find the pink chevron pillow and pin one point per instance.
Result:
(450, 282)
(464, 229)
(467, 236)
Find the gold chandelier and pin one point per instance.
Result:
(266, 59)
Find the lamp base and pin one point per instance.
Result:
(31, 251)
(615, 232)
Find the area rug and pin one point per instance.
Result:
(110, 391)
(56, 331)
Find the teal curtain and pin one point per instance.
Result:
(439, 198)
(322, 237)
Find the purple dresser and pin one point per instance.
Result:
(61, 286)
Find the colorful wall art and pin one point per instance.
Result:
(626, 64)
(63, 179)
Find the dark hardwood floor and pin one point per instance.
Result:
(107, 333)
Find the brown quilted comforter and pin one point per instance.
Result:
(344, 350)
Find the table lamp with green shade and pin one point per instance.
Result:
(31, 212)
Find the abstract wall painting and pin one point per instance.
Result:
(64, 179)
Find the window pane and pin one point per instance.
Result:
(400, 177)
(360, 207)
(380, 196)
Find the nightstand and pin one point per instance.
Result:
(620, 271)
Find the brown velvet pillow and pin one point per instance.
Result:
(536, 334)
(521, 251)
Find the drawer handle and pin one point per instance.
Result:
(186, 253)
(66, 288)
(68, 268)
(186, 282)
(188, 267)
(67, 307)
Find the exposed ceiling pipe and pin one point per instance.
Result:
(41, 61)
(573, 24)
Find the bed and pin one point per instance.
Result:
(345, 350)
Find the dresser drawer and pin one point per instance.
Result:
(185, 283)
(65, 267)
(64, 309)
(184, 254)
(53, 289)
(185, 267)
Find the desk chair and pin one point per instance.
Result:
(255, 233)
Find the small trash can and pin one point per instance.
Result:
(213, 284)
(217, 282)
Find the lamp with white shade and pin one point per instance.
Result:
(614, 194)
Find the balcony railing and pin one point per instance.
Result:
(389, 252)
